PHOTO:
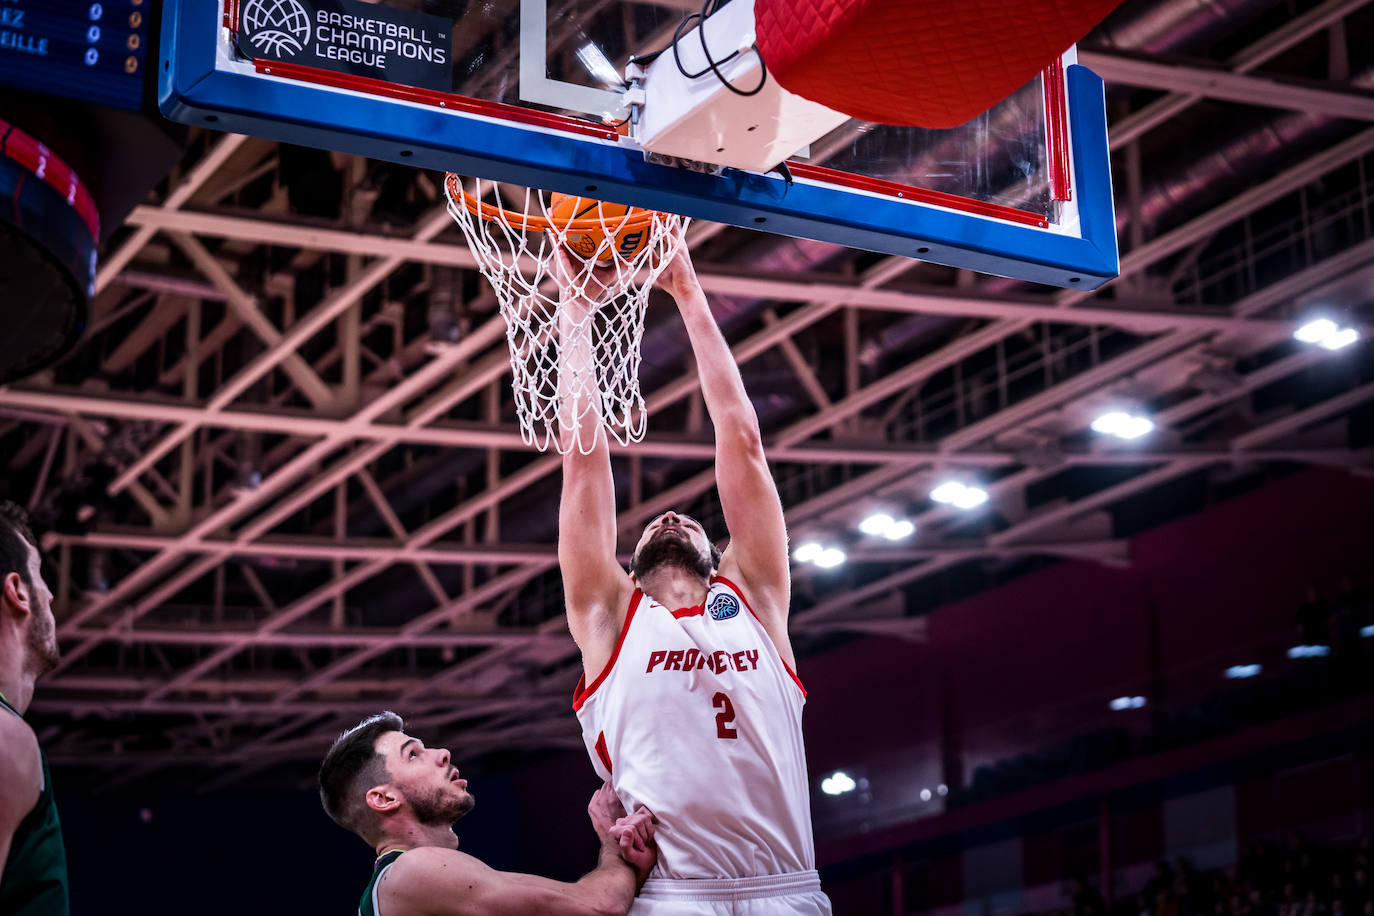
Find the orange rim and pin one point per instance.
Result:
(526, 221)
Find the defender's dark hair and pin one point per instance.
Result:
(15, 539)
(353, 766)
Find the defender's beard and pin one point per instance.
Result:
(41, 645)
(666, 549)
(437, 808)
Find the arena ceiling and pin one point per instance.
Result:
(286, 487)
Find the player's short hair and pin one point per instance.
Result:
(350, 768)
(15, 539)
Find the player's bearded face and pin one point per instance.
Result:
(41, 643)
(438, 807)
(672, 547)
(40, 637)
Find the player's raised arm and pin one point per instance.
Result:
(757, 554)
(595, 589)
(445, 882)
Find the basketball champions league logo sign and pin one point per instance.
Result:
(398, 46)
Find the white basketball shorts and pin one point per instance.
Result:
(797, 894)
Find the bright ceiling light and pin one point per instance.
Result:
(1339, 340)
(925, 795)
(829, 558)
(878, 524)
(1316, 330)
(837, 783)
(1326, 334)
(971, 498)
(903, 529)
(1123, 425)
(808, 552)
(1236, 672)
(1109, 422)
(959, 495)
(947, 492)
(1121, 703)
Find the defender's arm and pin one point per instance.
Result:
(444, 882)
(757, 554)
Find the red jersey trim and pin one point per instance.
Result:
(584, 692)
(739, 591)
(601, 752)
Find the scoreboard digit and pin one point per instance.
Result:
(93, 50)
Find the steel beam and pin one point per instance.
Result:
(1201, 80)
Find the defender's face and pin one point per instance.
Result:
(41, 638)
(681, 528)
(430, 783)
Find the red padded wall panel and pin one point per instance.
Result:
(929, 63)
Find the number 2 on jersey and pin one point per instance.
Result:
(724, 718)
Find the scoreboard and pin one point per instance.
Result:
(92, 50)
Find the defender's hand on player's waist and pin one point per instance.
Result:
(605, 810)
(635, 836)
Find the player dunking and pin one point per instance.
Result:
(689, 704)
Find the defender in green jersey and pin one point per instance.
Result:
(33, 863)
(403, 799)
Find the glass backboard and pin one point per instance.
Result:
(530, 92)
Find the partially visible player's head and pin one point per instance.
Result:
(25, 599)
(376, 776)
(674, 540)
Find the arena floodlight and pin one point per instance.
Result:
(1326, 334)
(947, 492)
(877, 525)
(925, 795)
(1339, 340)
(1238, 672)
(838, 783)
(829, 558)
(1316, 330)
(899, 530)
(959, 495)
(1123, 425)
(807, 552)
(971, 498)
(1121, 703)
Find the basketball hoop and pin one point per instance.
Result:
(618, 253)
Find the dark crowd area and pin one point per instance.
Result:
(1299, 879)
(1331, 659)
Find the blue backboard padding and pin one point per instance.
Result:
(192, 91)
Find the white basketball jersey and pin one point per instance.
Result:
(697, 717)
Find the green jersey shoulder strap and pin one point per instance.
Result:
(371, 905)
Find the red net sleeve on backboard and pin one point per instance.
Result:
(929, 64)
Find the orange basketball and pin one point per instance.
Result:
(628, 235)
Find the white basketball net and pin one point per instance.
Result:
(516, 240)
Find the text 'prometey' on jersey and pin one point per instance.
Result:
(697, 717)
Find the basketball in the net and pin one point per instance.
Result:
(628, 236)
